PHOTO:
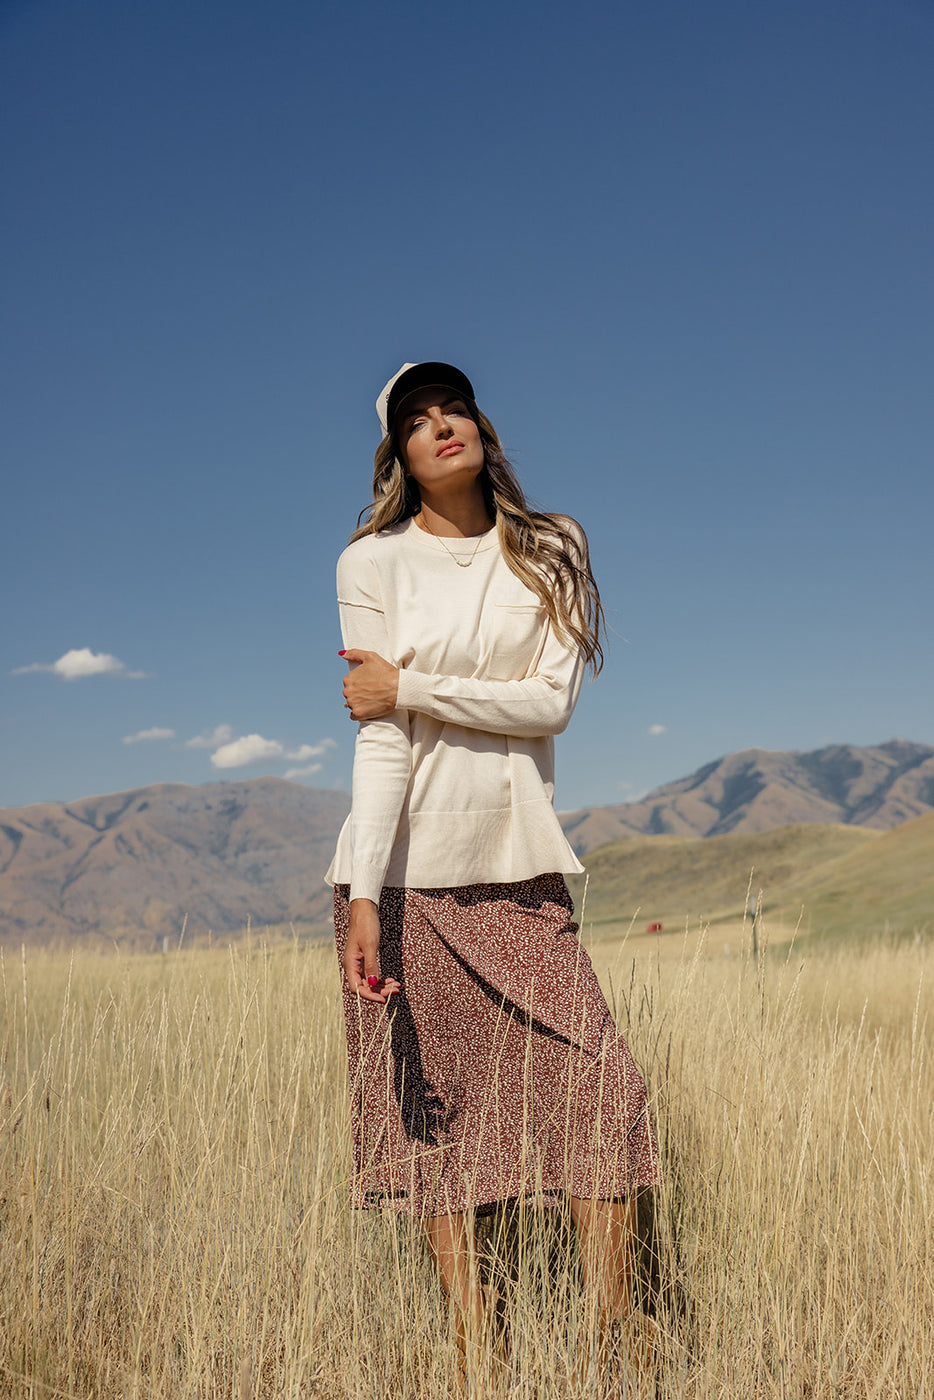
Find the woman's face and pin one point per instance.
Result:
(439, 441)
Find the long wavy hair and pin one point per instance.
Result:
(547, 552)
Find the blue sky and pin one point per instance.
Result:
(683, 251)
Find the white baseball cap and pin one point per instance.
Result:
(411, 377)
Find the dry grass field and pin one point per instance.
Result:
(173, 1179)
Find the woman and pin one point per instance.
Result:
(468, 620)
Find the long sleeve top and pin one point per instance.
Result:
(456, 786)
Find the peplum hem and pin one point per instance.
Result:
(447, 850)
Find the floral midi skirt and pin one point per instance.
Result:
(497, 1072)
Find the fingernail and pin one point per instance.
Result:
(372, 981)
(342, 653)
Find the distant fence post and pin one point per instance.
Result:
(757, 915)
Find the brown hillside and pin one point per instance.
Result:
(758, 790)
(132, 865)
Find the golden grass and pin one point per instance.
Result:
(173, 1221)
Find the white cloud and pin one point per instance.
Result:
(306, 751)
(232, 751)
(251, 748)
(656, 729)
(293, 773)
(220, 734)
(74, 665)
(142, 735)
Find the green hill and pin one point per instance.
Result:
(846, 879)
(888, 885)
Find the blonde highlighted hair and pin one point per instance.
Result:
(547, 552)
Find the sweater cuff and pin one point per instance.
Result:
(366, 882)
(414, 689)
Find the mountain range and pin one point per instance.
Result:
(760, 789)
(133, 866)
(138, 867)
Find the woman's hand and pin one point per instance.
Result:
(361, 956)
(371, 686)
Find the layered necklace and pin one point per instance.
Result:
(461, 563)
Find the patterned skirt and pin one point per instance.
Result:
(498, 1071)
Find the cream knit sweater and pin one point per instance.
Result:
(456, 786)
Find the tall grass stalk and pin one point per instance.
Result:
(174, 1154)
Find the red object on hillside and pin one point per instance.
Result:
(653, 928)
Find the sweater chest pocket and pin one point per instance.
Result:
(514, 636)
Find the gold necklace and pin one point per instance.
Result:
(461, 564)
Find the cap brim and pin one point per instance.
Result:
(420, 377)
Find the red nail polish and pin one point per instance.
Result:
(342, 653)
